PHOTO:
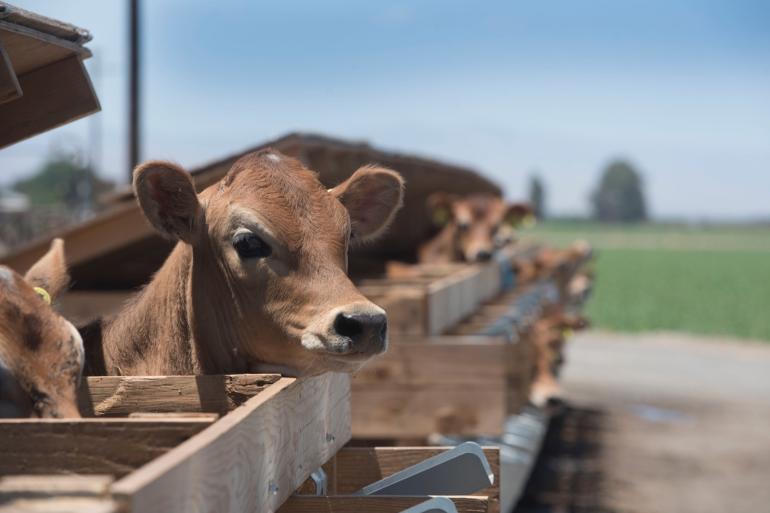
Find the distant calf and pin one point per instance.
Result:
(549, 336)
(471, 227)
(41, 353)
(257, 280)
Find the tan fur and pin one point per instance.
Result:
(473, 227)
(548, 335)
(41, 354)
(209, 311)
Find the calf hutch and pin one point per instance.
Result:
(450, 418)
(456, 407)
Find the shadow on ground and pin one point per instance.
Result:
(568, 477)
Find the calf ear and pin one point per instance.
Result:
(50, 272)
(439, 206)
(167, 196)
(518, 213)
(372, 196)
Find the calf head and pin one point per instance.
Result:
(270, 248)
(41, 353)
(479, 223)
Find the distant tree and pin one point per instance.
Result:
(620, 194)
(63, 180)
(537, 196)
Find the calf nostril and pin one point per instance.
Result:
(384, 329)
(348, 326)
(483, 255)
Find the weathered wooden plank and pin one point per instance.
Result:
(31, 49)
(53, 95)
(359, 504)
(430, 303)
(439, 360)
(415, 411)
(123, 395)
(450, 299)
(54, 494)
(355, 467)
(9, 83)
(253, 458)
(405, 306)
(28, 53)
(89, 446)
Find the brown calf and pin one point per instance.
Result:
(41, 353)
(257, 281)
(549, 336)
(471, 227)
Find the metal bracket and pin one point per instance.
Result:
(434, 505)
(320, 481)
(462, 470)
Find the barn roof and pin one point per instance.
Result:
(43, 83)
(118, 249)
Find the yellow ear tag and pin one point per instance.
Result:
(529, 221)
(441, 216)
(567, 332)
(43, 294)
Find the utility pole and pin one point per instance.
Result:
(134, 96)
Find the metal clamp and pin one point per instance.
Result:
(320, 481)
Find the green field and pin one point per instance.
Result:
(707, 280)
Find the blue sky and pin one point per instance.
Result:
(682, 89)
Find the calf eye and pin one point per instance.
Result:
(249, 245)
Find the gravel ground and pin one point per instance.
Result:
(658, 423)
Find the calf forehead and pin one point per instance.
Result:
(287, 195)
(480, 209)
(26, 321)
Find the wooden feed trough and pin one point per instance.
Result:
(180, 443)
(460, 361)
(468, 376)
(248, 442)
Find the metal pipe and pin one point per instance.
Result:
(134, 90)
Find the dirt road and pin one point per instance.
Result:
(658, 423)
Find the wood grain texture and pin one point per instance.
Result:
(432, 300)
(89, 446)
(53, 95)
(415, 411)
(30, 50)
(405, 306)
(437, 361)
(253, 458)
(52, 493)
(356, 504)
(123, 395)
